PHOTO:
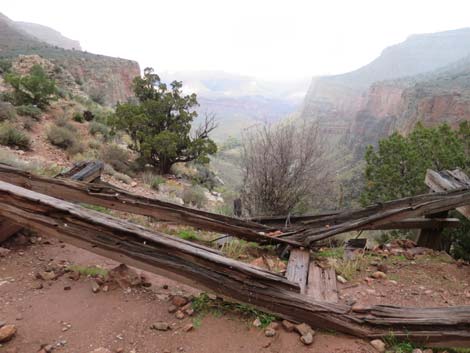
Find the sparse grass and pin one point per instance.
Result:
(92, 271)
(154, 181)
(97, 208)
(29, 110)
(187, 234)
(97, 128)
(116, 157)
(7, 111)
(349, 269)
(204, 305)
(32, 166)
(61, 136)
(194, 196)
(12, 136)
(335, 253)
(237, 247)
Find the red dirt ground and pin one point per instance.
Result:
(117, 319)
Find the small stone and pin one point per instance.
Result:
(341, 279)
(133, 184)
(160, 326)
(120, 350)
(391, 281)
(172, 309)
(105, 288)
(267, 344)
(379, 275)
(274, 325)
(188, 327)
(416, 350)
(46, 348)
(179, 315)
(179, 300)
(165, 286)
(379, 345)
(303, 329)
(7, 332)
(67, 288)
(36, 285)
(95, 287)
(382, 268)
(19, 317)
(288, 326)
(74, 275)
(269, 332)
(257, 322)
(428, 350)
(307, 339)
(101, 350)
(4, 252)
(189, 311)
(46, 276)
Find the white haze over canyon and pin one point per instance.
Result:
(269, 40)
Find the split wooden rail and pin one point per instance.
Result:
(45, 205)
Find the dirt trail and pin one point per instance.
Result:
(118, 319)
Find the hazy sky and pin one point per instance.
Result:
(267, 39)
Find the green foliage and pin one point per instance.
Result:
(12, 136)
(194, 196)
(78, 117)
(5, 66)
(398, 166)
(91, 271)
(36, 88)
(160, 124)
(28, 123)
(29, 110)
(187, 234)
(97, 128)
(7, 111)
(460, 238)
(203, 305)
(116, 157)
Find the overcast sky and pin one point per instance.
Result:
(267, 39)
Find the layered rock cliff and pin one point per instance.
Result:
(104, 79)
(337, 99)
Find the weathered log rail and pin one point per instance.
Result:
(380, 215)
(111, 197)
(205, 268)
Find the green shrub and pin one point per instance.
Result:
(28, 123)
(12, 136)
(96, 128)
(7, 111)
(154, 181)
(29, 110)
(78, 117)
(115, 156)
(194, 196)
(61, 137)
(65, 123)
(35, 88)
(5, 66)
(187, 234)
